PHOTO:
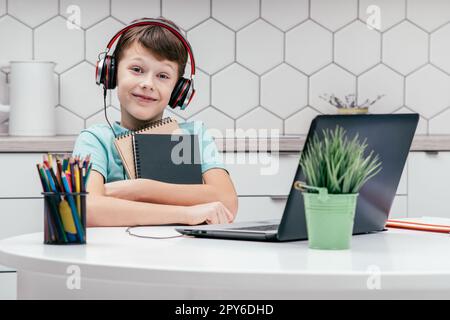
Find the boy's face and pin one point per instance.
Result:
(144, 85)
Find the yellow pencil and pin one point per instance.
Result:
(77, 187)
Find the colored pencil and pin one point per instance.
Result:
(50, 180)
(82, 177)
(58, 172)
(50, 226)
(72, 205)
(77, 186)
(69, 224)
(88, 173)
(69, 177)
(53, 207)
(64, 166)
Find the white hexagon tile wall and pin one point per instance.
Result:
(261, 63)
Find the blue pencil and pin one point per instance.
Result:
(50, 179)
(72, 205)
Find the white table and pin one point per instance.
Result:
(392, 264)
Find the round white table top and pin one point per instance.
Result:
(402, 258)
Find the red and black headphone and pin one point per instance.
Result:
(106, 70)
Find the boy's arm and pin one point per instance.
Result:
(217, 187)
(220, 180)
(106, 211)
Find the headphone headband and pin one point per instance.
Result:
(161, 23)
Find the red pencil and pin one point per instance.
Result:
(45, 160)
(69, 178)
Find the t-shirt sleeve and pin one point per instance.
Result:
(89, 143)
(211, 158)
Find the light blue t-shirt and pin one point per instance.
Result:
(98, 141)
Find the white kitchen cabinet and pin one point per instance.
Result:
(428, 184)
(399, 208)
(8, 286)
(19, 216)
(260, 208)
(403, 184)
(262, 173)
(21, 206)
(19, 177)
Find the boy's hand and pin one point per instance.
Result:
(211, 213)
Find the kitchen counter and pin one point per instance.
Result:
(114, 265)
(292, 143)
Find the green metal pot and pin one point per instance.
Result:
(329, 218)
(330, 221)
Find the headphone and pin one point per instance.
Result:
(106, 69)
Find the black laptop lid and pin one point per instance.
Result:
(390, 136)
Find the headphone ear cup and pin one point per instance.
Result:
(99, 71)
(189, 94)
(182, 103)
(176, 92)
(112, 73)
(106, 72)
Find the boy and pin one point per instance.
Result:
(150, 60)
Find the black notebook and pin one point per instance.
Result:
(172, 158)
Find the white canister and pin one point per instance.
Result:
(33, 98)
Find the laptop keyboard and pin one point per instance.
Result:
(259, 228)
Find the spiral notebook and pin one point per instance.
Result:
(124, 142)
(172, 158)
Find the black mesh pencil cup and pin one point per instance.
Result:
(64, 217)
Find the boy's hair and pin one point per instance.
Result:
(160, 41)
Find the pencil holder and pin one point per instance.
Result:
(64, 217)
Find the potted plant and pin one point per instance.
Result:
(335, 168)
(350, 105)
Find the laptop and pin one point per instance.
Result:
(389, 135)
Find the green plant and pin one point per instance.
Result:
(337, 163)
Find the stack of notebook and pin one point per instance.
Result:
(157, 152)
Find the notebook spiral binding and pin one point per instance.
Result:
(137, 161)
(146, 127)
